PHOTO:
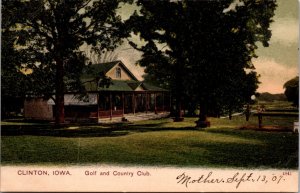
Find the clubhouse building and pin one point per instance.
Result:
(125, 98)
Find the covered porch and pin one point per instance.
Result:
(118, 99)
(128, 104)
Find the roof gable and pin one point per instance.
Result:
(95, 69)
(134, 85)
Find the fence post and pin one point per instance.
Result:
(259, 120)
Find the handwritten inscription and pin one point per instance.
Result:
(237, 178)
(212, 178)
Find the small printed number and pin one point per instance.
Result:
(287, 173)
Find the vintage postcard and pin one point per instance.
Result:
(149, 96)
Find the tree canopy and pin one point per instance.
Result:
(204, 48)
(50, 33)
(13, 84)
(292, 90)
(201, 50)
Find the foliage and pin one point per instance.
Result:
(292, 90)
(103, 57)
(50, 34)
(162, 25)
(203, 49)
(13, 84)
(265, 96)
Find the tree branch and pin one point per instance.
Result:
(38, 27)
(134, 45)
(84, 5)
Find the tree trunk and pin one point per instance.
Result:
(247, 112)
(178, 96)
(202, 121)
(259, 120)
(59, 94)
(230, 114)
(178, 111)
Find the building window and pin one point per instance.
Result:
(118, 72)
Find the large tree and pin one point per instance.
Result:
(163, 25)
(210, 45)
(50, 35)
(223, 74)
(234, 40)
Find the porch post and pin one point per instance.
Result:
(110, 105)
(123, 103)
(133, 103)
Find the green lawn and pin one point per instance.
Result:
(153, 142)
(283, 105)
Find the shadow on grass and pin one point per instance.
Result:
(280, 146)
(252, 134)
(105, 130)
(48, 130)
(248, 155)
(275, 150)
(150, 127)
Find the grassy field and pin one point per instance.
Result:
(284, 105)
(154, 142)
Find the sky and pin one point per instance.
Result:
(279, 62)
(276, 64)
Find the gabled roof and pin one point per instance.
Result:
(104, 68)
(121, 85)
(134, 85)
(89, 79)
